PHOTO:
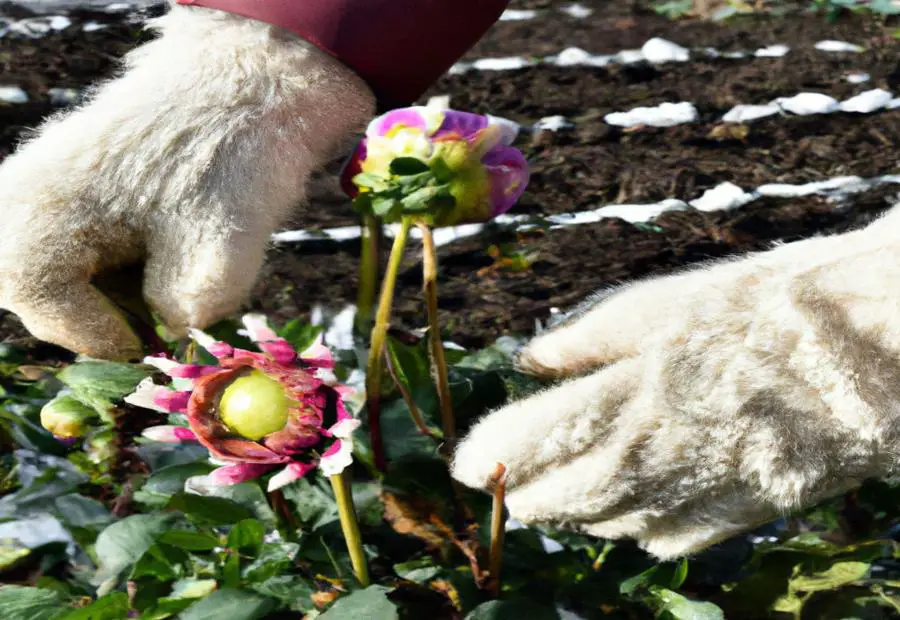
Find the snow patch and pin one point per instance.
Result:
(664, 115)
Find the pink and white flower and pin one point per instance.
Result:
(255, 412)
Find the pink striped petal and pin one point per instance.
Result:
(267, 340)
(216, 348)
(318, 355)
(237, 473)
(289, 474)
(158, 398)
(337, 458)
(178, 370)
(169, 434)
(344, 428)
(172, 401)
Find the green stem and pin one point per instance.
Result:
(376, 344)
(368, 273)
(438, 361)
(340, 483)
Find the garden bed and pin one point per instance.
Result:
(583, 167)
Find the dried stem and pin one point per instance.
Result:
(376, 344)
(438, 361)
(340, 483)
(368, 273)
(498, 529)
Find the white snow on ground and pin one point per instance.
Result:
(13, 94)
(664, 115)
(725, 196)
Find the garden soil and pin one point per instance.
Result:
(485, 291)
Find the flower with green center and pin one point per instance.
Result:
(443, 166)
(256, 412)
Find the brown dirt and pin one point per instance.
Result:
(593, 164)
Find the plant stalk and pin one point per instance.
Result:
(498, 529)
(375, 364)
(438, 361)
(370, 230)
(340, 483)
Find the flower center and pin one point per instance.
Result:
(254, 405)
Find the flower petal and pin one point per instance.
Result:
(267, 340)
(508, 172)
(318, 355)
(351, 168)
(344, 428)
(462, 125)
(337, 458)
(158, 398)
(178, 370)
(169, 434)
(237, 473)
(215, 347)
(294, 471)
(397, 119)
(508, 130)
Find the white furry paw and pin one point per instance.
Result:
(709, 402)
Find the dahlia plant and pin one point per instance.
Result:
(429, 167)
(278, 411)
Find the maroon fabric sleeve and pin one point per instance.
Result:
(399, 47)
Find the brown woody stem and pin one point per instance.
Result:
(438, 361)
(498, 529)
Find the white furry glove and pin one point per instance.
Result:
(187, 163)
(714, 401)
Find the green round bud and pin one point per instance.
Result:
(254, 405)
(67, 417)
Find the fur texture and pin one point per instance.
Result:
(188, 161)
(710, 401)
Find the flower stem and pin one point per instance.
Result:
(498, 529)
(340, 483)
(368, 273)
(376, 344)
(438, 361)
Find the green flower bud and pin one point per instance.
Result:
(254, 405)
(67, 417)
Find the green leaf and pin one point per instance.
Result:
(110, 607)
(11, 555)
(156, 564)
(123, 543)
(419, 571)
(79, 511)
(300, 334)
(231, 571)
(369, 180)
(292, 590)
(274, 559)
(673, 606)
(231, 604)
(426, 199)
(408, 166)
(208, 510)
(371, 603)
(21, 603)
(837, 575)
(384, 207)
(513, 610)
(100, 384)
(679, 575)
(313, 503)
(247, 535)
(189, 540)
